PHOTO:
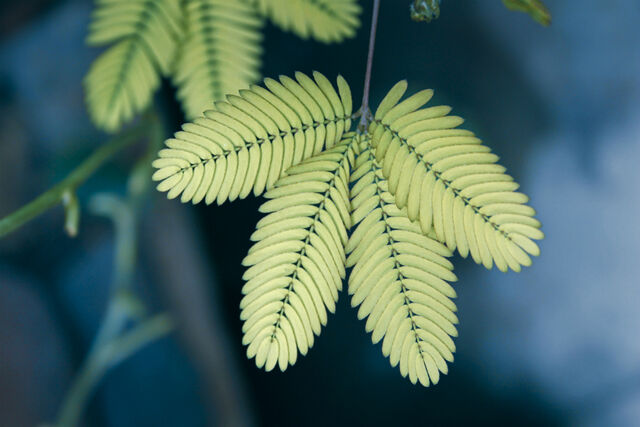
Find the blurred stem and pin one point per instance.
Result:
(104, 356)
(78, 176)
(115, 341)
(123, 216)
(364, 119)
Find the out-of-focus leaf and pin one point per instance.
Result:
(425, 10)
(535, 8)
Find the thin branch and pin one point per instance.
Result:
(115, 341)
(123, 215)
(79, 175)
(367, 77)
(106, 356)
(192, 290)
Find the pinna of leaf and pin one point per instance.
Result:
(391, 203)
(209, 48)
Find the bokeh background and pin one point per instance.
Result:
(554, 345)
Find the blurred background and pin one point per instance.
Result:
(554, 345)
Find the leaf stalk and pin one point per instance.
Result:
(364, 118)
(61, 191)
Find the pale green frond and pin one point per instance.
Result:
(399, 279)
(220, 54)
(327, 21)
(535, 8)
(296, 266)
(248, 141)
(121, 82)
(450, 182)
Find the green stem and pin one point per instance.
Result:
(79, 175)
(123, 214)
(103, 357)
(114, 342)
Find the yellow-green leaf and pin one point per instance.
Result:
(535, 8)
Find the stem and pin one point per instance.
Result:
(105, 356)
(367, 77)
(123, 214)
(115, 340)
(79, 175)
